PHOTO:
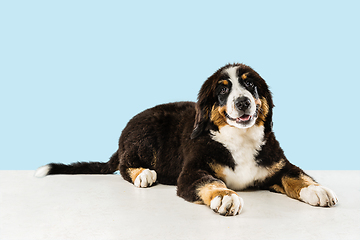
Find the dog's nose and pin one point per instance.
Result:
(242, 103)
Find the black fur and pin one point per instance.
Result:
(85, 167)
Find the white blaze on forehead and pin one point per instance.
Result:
(237, 91)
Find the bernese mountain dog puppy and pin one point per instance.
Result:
(210, 149)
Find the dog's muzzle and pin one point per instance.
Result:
(242, 119)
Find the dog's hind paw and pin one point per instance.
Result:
(146, 178)
(318, 196)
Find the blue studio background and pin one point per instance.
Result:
(74, 72)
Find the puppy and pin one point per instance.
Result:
(221, 144)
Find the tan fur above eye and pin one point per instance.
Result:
(244, 76)
(225, 82)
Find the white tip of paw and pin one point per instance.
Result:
(145, 179)
(227, 205)
(318, 196)
(42, 171)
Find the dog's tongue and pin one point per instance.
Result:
(244, 118)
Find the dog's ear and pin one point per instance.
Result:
(267, 105)
(201, 120)
(269, 121)
(199, 126)
(206, 99)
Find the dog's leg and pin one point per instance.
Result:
(209, 191)
(142, 177)
(304, 188)
(220, 199)
(135, 170)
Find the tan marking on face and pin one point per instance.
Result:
(293, 186)
(263, 111)
(209, 191)
(244, 76)
(218, 116)
(134, 172)
(218, 169)
(225, 82)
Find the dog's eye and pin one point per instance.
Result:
(224, 90)
(249, 84)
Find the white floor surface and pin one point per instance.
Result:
(108, 207)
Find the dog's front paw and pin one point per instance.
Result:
(146, 178)
(318, 196)
(227, 205)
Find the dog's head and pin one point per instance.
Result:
(235, 95)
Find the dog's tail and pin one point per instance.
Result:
(80, 167)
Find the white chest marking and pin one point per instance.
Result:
(243, 145)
